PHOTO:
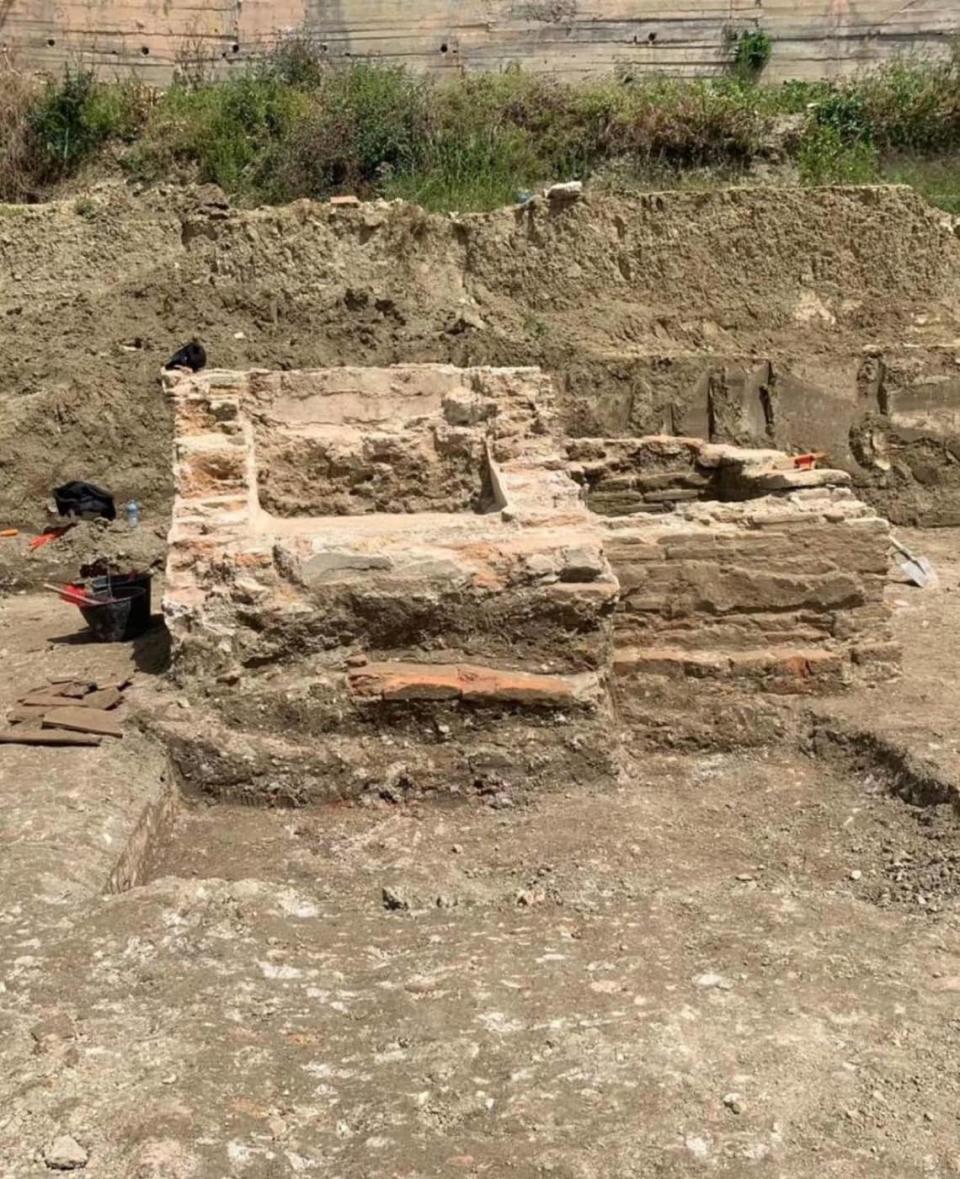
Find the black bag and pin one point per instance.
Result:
(85, 500)
(192, 356)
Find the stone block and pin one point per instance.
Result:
(332, 566)
(671, 495)
(804, 671)
(674, 663)
(891, 653)
(687, 477)
(582, 563)
(764, 481)
(615, 503)
(706, 588)
(589, 595)
(621, 549)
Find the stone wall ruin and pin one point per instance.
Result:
(409, 575)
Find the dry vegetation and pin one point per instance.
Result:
(295, 125)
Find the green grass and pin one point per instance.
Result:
(295, 125)
(937, 179)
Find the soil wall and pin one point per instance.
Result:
(819, 319)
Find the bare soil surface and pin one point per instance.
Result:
(66, 815)
(733, 965)
(917, 715)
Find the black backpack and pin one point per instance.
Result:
(85, 500)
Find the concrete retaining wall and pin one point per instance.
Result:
(812, 38)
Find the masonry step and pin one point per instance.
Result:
(434, 747)
(472, 684)
(402, 696)
(792, 668)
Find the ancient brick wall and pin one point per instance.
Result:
(734, 568)
(812, 38)
(449, 644)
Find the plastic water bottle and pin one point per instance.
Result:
(133, 514)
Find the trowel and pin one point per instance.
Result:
(917, 570)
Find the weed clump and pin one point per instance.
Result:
(750, 51)
(297, 124)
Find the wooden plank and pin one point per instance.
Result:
(47, 737)
(26, 712)
(75, 689)
(104, 699)
(84, 720)
(50, 700)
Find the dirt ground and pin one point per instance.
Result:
(732, 964)
(915, 718)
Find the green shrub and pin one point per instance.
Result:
(297, 124)
(844, 112)
(687, 124)
(825, 157)
(218, 133)
(469, 172)
(913, 104)
(355, 126)
(298, 59)
(118, 110)
(71, 119)
(59, 124)
(751, 52)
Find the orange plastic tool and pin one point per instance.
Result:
(806, 462)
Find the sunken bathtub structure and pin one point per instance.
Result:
(390, 579)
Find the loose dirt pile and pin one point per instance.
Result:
(629, 302)
(116, 548)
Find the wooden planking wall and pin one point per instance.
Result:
(812, 38)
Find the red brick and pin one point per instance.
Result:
(444, 681)
(485, 684)
(406, 681)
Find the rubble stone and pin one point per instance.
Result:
(65, 1154)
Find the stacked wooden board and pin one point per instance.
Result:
(66, 712)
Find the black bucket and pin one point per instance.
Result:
(121, 615)
(100, 586)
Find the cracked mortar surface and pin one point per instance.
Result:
(726, 964)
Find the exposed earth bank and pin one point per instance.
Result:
(821, 319)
